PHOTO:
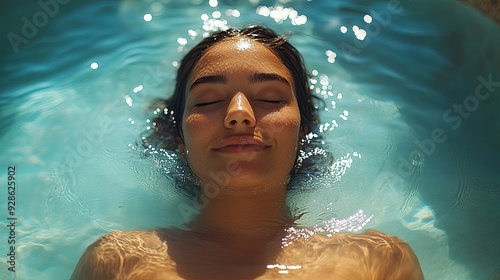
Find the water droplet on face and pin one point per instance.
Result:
(243, 44)
(239, 101)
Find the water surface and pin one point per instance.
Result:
(416, 147)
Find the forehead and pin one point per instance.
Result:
(239, 55)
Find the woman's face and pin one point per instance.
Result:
(241, 119)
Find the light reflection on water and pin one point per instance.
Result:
(76, 99)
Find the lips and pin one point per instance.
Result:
(241, 144)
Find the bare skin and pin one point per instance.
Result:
(240, 132)
(146, 255)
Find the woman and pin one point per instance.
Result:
(240, 107)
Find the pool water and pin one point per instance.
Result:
(411, 90)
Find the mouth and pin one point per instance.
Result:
(238, 149)
(241, 144)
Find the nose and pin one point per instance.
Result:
(239, 112)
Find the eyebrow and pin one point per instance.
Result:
(255, 78)
(214, 79)
(267, 77)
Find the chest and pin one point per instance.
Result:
(298, 261)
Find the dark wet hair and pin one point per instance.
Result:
(167, 125)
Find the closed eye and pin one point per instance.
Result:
(278, 101)
(207, 103)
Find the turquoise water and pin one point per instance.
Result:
(410, 118)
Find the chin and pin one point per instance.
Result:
(253, 184)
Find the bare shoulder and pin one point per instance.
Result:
(125, 255)
(371, 254)
(368, 255)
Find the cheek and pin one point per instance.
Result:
(283, 125)
(193, 121)
(193, 127)
(194, 130)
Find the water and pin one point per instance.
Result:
(75, 90)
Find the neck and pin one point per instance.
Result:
(245, 215)
(244, 227)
